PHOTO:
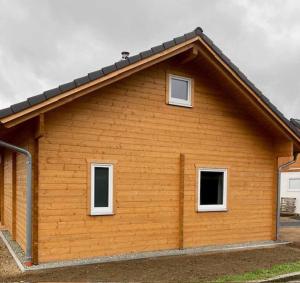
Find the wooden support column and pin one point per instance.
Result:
(14, 195)
(181, 202)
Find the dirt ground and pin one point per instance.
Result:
(192, 268)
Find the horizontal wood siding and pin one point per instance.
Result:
(129, 123)
(25, 140)
(21, 200)
(8, 213)
(15, 218)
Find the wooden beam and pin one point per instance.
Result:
(192, 55)
(181, 202)
(40, 126)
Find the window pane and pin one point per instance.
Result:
(101, 187)
(211, 188)
(294, 184)
(179, 89)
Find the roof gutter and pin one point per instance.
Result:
(28, 251)
(280, 168)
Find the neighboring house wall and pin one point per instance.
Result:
(289, 190)
(129, 124)
(292, 174)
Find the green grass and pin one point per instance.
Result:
(261, 274)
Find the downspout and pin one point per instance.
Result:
(278, 192)
(28, 251)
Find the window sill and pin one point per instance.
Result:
(102, 214)
(180, 105)
(212, 210)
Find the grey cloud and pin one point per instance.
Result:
(46, 43)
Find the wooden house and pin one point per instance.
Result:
(172, 148)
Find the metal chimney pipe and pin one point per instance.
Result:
(125, 55)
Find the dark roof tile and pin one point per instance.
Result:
(207, 39)
(5, 112)
(169, 44)
(295, 122)
(96, 75)
(179, 39)
(135, 58)
(157, 49)
(122, 63)
(52, 92)
(109, 69)
(146, 54)
(36, 99)
(19, 106)
(67, 86)
(190, 35)
(81, 81)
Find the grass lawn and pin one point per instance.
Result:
(261, 274)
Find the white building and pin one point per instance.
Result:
(290, 187)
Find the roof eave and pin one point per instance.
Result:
(50, 103)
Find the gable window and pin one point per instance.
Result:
(212, 189)
(101, 189)
(294, 185)
(180, 91)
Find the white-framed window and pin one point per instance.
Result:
(294, 185)
(180, 91)
(101, 189)
(212, 189)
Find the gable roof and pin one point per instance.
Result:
(132, 60)
(296, 123)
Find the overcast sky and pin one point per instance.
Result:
(46, 43)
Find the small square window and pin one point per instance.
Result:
(212, 189)
(180, 91)
(101, 189)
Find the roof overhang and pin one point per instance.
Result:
(68, 96)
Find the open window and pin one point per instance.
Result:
(101, 189)
(212, 189)
(180, 91)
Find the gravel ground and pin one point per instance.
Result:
(191, 268)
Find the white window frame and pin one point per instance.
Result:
(177, 101)
(102, 210)
(213, 207)
(290, 189)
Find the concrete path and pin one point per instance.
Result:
(290, 224)
(290, 233)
